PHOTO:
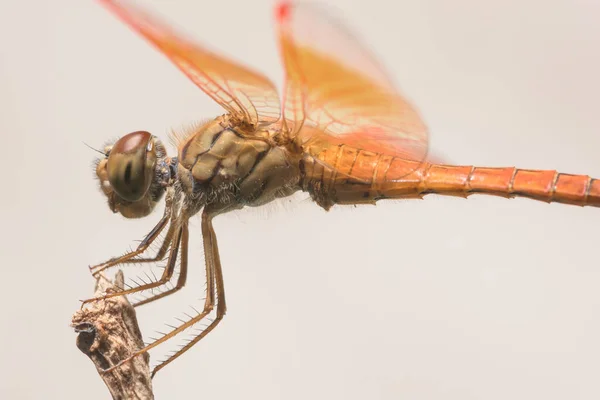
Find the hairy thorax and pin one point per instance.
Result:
(217, 163)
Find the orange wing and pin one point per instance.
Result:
(333, 84)
(245, 94)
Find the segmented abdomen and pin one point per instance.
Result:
(346, 175)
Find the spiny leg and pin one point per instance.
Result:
(211, 251)
(183, 254)
(170, 214)
(213, 275)
(160, 254)
(143, 246)
(166, 276)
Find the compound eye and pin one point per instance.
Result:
(130, 165)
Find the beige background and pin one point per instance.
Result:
(437, 299)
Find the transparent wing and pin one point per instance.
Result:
(245, 94)
(335, 85)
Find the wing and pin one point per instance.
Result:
(334, 84)
(245, 94)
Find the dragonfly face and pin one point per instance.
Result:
(132, 174)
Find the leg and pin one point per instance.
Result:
(167, 273)
(171, 198)
(214, 276)
(211, 251)
(160, 254)
(148, 240)
(182, 271)
(130, 257)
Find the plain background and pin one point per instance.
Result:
(443, 298)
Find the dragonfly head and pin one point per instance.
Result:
(130, 174)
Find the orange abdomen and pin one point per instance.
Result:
(364, 177)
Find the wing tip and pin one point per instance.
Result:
(107, 3)
(282, 11)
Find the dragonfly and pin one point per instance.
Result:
(340, 132)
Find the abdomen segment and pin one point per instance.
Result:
(353, 176)
(547, 186)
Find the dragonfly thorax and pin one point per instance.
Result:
(222, 163)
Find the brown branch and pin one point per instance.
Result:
(108, 332)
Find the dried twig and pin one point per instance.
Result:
(108, 332)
